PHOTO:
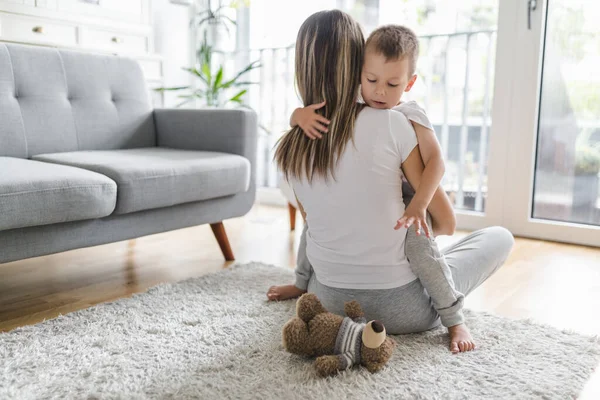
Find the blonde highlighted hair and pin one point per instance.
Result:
(329, 54)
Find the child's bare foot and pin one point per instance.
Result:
(460, 339)
(284, 292)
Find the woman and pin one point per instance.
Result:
(348, 187)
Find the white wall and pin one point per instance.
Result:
(173, 42)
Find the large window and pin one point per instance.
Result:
(455, 76)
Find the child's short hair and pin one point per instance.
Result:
(395, 42)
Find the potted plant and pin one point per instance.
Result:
(587, 168)
(214, 89)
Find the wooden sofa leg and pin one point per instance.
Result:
(292, 211)
(221, 236)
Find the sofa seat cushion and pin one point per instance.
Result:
(34, 193)
(155, 177)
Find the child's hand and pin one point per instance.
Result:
(414, 215)
(311, 123)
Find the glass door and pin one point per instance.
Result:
(552, 124)
(457, 70)
(455, 85)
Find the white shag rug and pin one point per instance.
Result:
(216, 337)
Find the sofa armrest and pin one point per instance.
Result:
(223, 130)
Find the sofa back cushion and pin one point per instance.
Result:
(55, 100)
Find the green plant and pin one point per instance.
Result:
(587, 160)
(213, 85)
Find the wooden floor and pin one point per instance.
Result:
(552, 283)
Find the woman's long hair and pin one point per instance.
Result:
(329, 54)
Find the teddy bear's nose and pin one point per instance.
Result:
(373, 334)
(377, 326)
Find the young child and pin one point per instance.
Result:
(388, 71)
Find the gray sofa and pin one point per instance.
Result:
(85, 160)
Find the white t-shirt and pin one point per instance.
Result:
(351, 241)
(415, 113)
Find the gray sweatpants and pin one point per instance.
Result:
(450, 275)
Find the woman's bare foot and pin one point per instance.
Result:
(284, 292)
(460, 339)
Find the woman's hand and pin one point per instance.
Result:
(414, 214)
(313, 124)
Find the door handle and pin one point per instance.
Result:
(531, 6)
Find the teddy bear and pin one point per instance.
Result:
(337, 342)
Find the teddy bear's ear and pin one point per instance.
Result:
(373, 334)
